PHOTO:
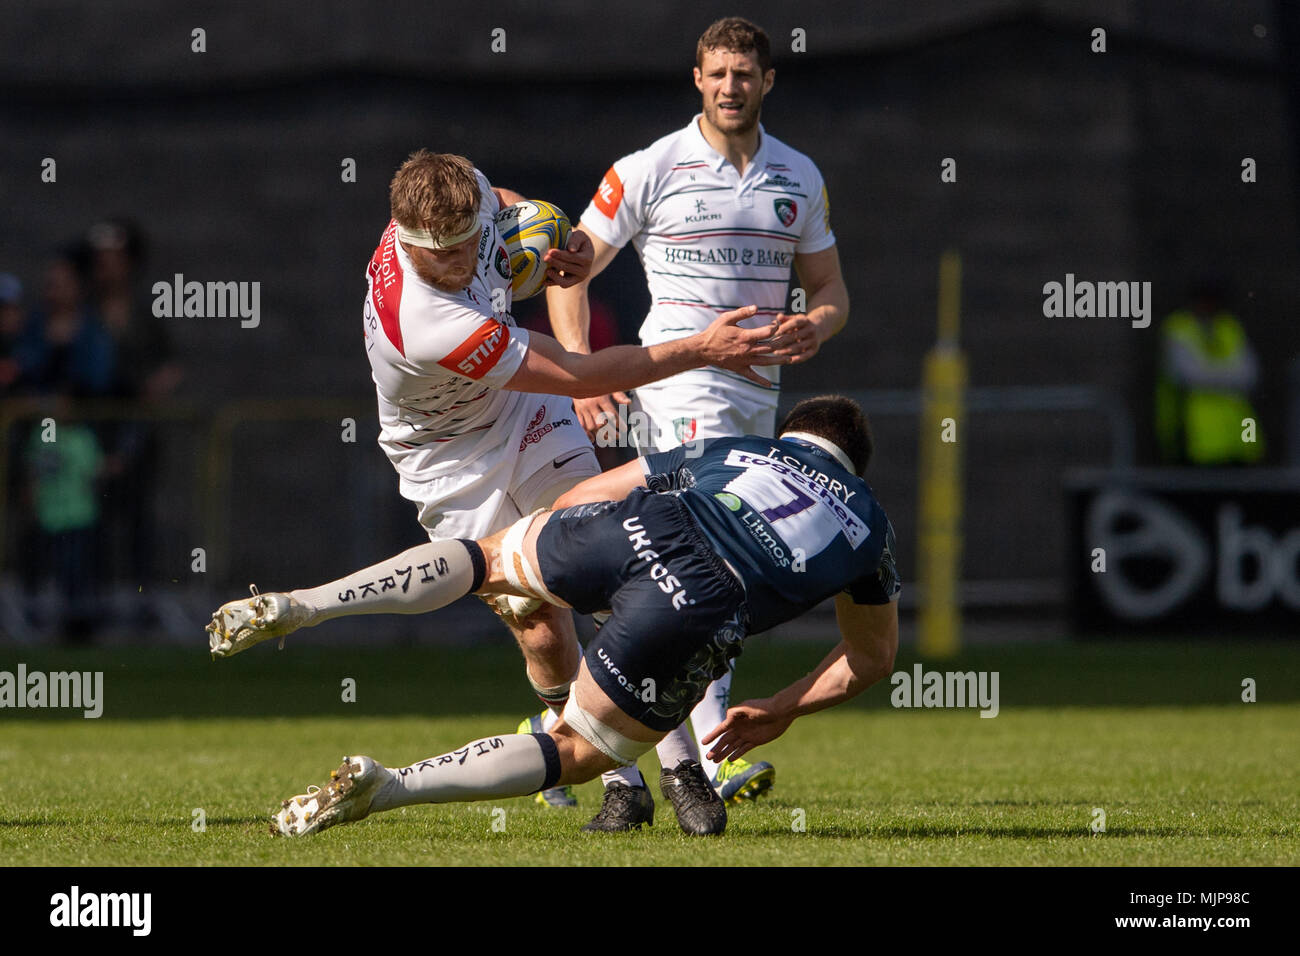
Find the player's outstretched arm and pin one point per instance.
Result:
(865, 655)
(613, 485)
(549, 368)
(570, 312)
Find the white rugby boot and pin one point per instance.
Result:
(238, 625)
(344, 799)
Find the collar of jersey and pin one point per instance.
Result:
(716, 160)
(817, 444)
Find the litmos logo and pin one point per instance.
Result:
(37, 689)
(923, 688)
(75, 908)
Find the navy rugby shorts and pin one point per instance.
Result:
(678, 614)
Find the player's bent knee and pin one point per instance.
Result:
(595, 745)
(579, 760)
(516, 567)
(549, 634)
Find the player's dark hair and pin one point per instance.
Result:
(837, 419)
(735, 35)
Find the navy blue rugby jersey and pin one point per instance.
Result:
(796, 524)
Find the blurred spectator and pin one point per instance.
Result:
(63, 346)
(62, 469)
(1207, 371)
(146, 364)
(64, 353)
(147, 373)
(11, 327)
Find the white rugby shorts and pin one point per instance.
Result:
(546, 455)
(675, 413)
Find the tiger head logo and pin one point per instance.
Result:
(787, 210)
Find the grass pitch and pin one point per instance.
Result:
(1155, 735)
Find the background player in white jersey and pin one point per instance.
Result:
(473, 449)
(718, 213)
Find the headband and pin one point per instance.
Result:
(826, 445)
(426, 239)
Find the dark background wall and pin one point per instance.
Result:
(1117, 166)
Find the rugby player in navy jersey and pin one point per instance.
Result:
(690, 553)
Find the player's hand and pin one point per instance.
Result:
(728, 346)
(595, 413)
(570, 265)
(747, 726)
(796, 338)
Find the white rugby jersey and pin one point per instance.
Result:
(711, 240)
(439, 358)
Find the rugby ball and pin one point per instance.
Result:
(529, 229)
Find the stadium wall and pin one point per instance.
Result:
(1116, 166)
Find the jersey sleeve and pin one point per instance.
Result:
(817, 235)
(467, 343)
(882, 585)
(666, 470)
(617, 212)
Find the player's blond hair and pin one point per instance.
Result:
(434, 191)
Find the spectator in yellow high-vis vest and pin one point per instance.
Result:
(1207, 370)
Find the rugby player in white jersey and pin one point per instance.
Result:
(718, 213)
(471, 407)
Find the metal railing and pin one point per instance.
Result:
(198, 490)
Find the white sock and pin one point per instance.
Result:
(512, 765)
(418, 580)
(676, 747)
(628, 776)
(710, 712)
